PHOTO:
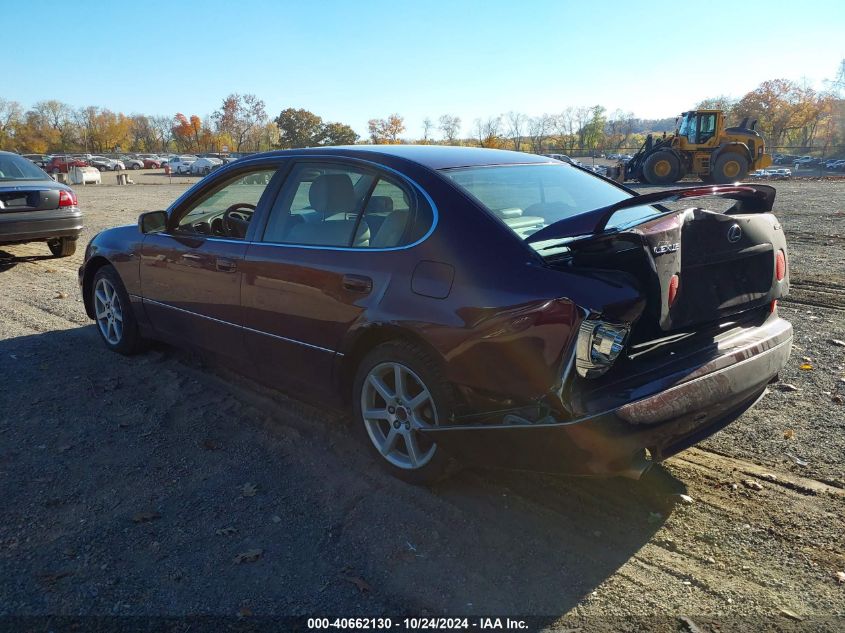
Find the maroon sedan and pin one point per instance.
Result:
(62, 164)
(479, 305)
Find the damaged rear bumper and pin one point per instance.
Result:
(704, 398)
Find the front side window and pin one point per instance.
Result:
(528, 198)
(688, 127)
(334, 205)
(227, 208)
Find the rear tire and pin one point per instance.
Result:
(136, 166)
(62, 246)
(662, 168)
(113, 313)
(729, 168)
(422, 398)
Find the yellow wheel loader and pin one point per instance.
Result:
(702, 146)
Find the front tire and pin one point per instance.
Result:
(136, 166)
(662, 168)
(62, 246)
(399, 389)
(113, 313)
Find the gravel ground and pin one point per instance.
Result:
(159, 484)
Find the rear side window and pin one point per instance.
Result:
(333, 205)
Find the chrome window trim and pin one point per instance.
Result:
(240, 327)
(336, 158)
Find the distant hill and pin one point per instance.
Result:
(643, 126)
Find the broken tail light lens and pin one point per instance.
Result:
(674, 282)
(599, 344)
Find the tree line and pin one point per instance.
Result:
(788, 114)
(241, 124)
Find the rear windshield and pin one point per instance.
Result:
(17, 168)
(530, 197)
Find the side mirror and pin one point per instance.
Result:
(152, 222)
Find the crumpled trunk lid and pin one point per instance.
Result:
(723, 263)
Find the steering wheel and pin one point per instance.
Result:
(236, 222)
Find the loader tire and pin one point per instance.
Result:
(662, 168)
(728, 168)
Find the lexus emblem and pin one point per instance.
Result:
(734, 233)
(666, 247)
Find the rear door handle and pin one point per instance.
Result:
(226, 265)
(357, 283)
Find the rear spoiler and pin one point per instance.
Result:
(750, 199)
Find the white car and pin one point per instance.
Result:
(205, 165)
(182, 164)
(105, 164)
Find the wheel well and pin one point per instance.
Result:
(369, 339)
(736, 148)
(91, 267)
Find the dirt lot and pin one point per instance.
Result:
(131, 486)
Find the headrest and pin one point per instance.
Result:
(332, 193)
(380, 204)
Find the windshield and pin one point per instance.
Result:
(16, 168)
(528, 198)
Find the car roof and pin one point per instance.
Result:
(431, 156)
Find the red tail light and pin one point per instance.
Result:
(780, 266)
(673, 289)
(67, 198)
(773, 306)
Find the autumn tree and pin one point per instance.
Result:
(722, 102)
(241, 118)
(618, 129)
(786, 112)
(11, 114)
(428, 126)
(539, 128)
(338, 134)
(162, 130)
(592, 134)
(188, 132)
(488, 131)
(386, 131)
(516, 123)
(450, 126)
(299, 128)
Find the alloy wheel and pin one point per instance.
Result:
(108, 311)
(395, 404)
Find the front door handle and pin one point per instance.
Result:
(358, 283)
(226, 265)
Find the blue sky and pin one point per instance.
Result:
(352, 61)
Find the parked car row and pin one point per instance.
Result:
(179, 163)
(771, 174)
(809, 162)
